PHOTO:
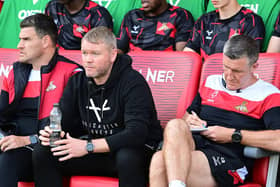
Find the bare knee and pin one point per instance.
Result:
(175, 128)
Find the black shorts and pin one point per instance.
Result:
(226, 166)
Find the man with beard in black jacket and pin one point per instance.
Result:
(113, 104)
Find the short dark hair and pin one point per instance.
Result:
(101, 34)
(43, 24)
(240, 46)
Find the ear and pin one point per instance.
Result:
(114, 54)
(255, 66)
(46, 41)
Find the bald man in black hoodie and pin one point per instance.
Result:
(113, 104)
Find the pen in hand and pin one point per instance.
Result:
(203, 124)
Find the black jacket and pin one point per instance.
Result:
(122, 110)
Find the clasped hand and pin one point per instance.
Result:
(66, 148)
(12, 142)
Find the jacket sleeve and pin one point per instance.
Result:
(254, 27)
(71, 121)
(138, 115)
(47, 9)
(4, 100)
(194, 41)
(123, 39)
(196, 105)
(184, 26)
(7, 95)
(101, 17)
(276, 31)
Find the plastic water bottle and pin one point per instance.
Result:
(55, 124)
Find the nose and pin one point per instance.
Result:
(228, 73)
(20, 44)
(87, 58)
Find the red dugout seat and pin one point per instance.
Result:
(268, 70)
(173, 78)
(266, 163)
(7, 58)
(26, 184)
(160, 83)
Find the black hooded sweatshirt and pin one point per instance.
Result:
(122, 110)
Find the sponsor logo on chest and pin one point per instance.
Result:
(135, 29)
(51, 87)
(242, 107)
(209, 35)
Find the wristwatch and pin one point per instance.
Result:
(236, 137)
(89, 146)
(33, 139)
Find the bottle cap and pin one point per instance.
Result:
(56, 104)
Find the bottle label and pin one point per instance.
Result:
(55, 135)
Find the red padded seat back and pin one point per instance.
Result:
(268, 70)
(172, 76)
(7, 58)
(260, 170)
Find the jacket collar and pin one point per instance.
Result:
(48, 68)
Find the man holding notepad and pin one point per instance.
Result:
(239, 110)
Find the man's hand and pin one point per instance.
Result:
(69, 148)
(218, 134)
(13, 142)
(44, 135)
(194, 121)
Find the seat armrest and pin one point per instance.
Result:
(254, 152)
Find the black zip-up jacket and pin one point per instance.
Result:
(54, 78)
(122, 110)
